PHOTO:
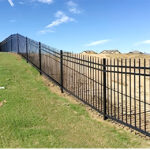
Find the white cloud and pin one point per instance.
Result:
(73, 7)
(45, 31)
(11, 3)
(61, 18)
(21, 2)
(142, 42)
(74, 10)
(97, 43)
(146, 42)
(59, 14)
(71, 4)
(45, 1)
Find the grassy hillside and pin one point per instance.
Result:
(31, 116)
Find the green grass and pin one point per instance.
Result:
(34, 117)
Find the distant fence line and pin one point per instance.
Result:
(119, 89)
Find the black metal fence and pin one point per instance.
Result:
(117, 88)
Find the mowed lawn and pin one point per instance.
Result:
(33, 117)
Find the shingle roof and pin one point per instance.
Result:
(110, 52)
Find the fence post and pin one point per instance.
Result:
(7, 45)
(18, 42)
(27, 49)
(6, 48)
(40, 58)
(11, 43)
(61, 71)
(104, 87)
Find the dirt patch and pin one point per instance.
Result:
(56, 89)
(2, 103)
(18, 57)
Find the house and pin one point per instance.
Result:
(89, 52)
(110, 52)
(135, 52)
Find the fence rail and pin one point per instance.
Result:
(119, 89)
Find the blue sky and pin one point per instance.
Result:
(77, 25)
